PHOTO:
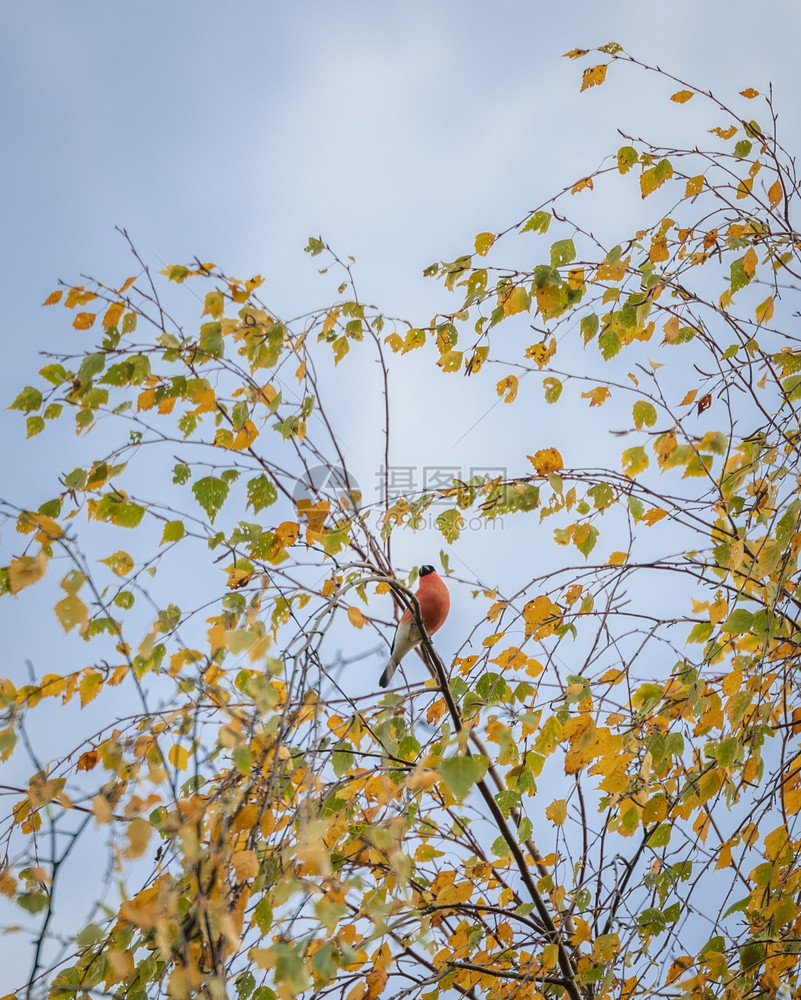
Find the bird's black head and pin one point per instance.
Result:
(425, 570)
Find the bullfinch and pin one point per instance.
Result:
(435, 602)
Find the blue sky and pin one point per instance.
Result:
(396, 131)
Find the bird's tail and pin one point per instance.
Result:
(389, 670)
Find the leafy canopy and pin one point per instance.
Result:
(598, 794)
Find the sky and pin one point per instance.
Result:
(395, 131)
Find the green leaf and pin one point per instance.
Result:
(55, 374)
(450, 523)
(743, 148)
(644, 414)
(342, 758)
(461, 773)
(261, 493)
(181, 473)
(563, 252)
(33, 902)
(173, 531)
(661, 836)
(626, 157)
(739, 276)
(34, 426)
(585, 537)
(739, 622)
(589, 327)
(538, 223)
(29, 399)
(609, 343)
(211, 493)
(314, 246)
(635, 461)
(91, 365)
(553, 389)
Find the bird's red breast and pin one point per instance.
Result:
(435, 602)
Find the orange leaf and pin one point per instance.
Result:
(52, 298)
(546, 460)
(750, 93)
(356, 618)
(84, 320)
(113, 313)
(774, 194)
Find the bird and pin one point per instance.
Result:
(435, 602)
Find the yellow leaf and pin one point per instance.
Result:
(744, 187)
(764, 311)
(682, 96)
(689, 398)
(287, 533)
(71, 611)
(422, 777)
(26, 570)
(665, 446)
(52, 298)
(238, 578)
(178, 756)
(245, 436)
(146, 400)
(695, 185)
(206, 401)
(119, 562)
(508, 386)
(550, 954)
(48, 529)
(718, 610)
(617, 559)
(126, 285)
(514, 300)
(300, 374)
(113, 314)
(659, 250)
(330, 320)
(750, 261)
(581, 184)
(122, 964)
(356, 618)
(597, 396)
(245, 865)
(542, 617)
(653, 515)
(139, 831)
(774, 194)
(750, 93)
(557, 811)
(266, 394)
(483, 243)
(84, 320)
(593, 76)
(724, 133)
(546, 460)
(90, 686)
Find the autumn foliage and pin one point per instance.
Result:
(598, 794)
